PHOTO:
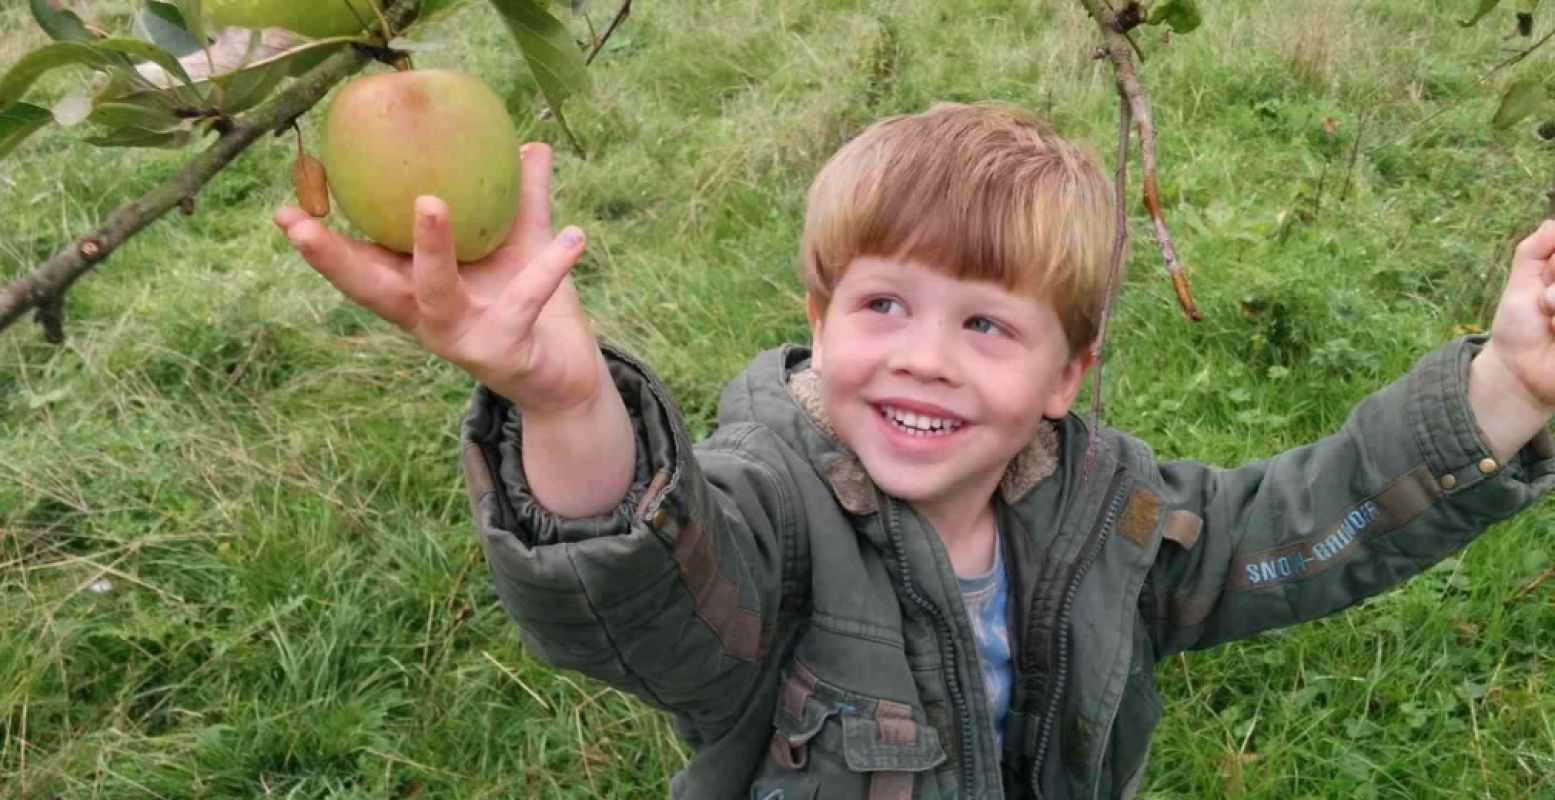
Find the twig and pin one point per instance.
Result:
(1115, 48)
(599, 44)
(1114, 270)
(49, 282)
(1409, 131)
(567, 131)
(1532, 585)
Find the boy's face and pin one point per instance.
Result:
(935, 382)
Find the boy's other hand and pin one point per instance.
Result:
(512, 319)
(1512, 380)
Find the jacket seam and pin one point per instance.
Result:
(637, 677)
(787, 531)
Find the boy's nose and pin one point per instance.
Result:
(928, 356)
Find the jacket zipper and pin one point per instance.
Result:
(1098, 537)
(946, 643)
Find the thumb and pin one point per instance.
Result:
(1537, 250)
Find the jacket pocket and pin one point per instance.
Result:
(831, 743)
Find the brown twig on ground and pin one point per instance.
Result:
(1115, 47)
(44, 287)
(1532, 585)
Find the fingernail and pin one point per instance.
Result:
(572, 237)
(427, 210)
(296, 238)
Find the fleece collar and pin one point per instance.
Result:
(856, 492)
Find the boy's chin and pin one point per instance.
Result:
(914, 489)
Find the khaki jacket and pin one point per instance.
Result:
(806, 631)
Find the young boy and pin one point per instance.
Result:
(884, 575)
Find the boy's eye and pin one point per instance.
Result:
(985, 325)
(883, 305)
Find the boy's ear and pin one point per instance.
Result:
(1069, 381)
(815, 315)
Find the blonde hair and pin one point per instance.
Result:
(981, 192)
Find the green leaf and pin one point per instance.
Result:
(148, 111)
(194, 18)
(1520, 100)
(162, 24)
(248, 87)
(146, 51)
(61, 24)
(19, 121)
(134, 137)
(549, 50)
(1485, 7)
(1181, 15)
(29, 67)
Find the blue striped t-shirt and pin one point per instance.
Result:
(986, 597)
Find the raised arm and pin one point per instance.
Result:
(1418, 470)
(619, 550)
(511, 320)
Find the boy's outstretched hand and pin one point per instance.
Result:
(1512, 380)
(512, 319)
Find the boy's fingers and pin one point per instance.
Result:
(524, 298)
(355, 268)
(532, 227)
(1540, 245)
(287, 216)
(434, 272)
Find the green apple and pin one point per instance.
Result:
(392, 136)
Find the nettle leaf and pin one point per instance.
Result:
(1181, 15)
(1485, 7)
(1520, 100)
(163, 24)
(19, 121)
(549, 50)
(60, 23)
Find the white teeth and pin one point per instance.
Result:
(919, 424)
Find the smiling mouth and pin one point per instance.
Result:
(919, 424)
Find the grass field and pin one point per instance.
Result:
(235, 555)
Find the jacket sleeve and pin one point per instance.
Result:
(1407, 481)
(671, 596)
